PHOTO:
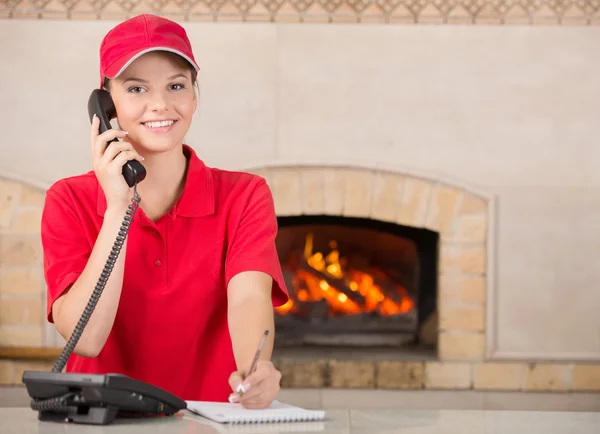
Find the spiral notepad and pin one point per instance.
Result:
(224, 412)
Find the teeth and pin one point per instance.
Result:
(159, 124)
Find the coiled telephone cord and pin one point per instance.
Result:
(108, 267)
(60, 402)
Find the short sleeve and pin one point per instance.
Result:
(65, 246)
(253, 245)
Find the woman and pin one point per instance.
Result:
(194, 286)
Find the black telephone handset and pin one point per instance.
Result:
(96, 398)
(101, 104)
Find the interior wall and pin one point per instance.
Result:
(511, 110)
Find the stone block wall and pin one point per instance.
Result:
(461, 217)
(440, 375)
(466, 306)
(22, 289)
(22, 302)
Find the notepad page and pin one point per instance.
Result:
(260, 428)
(224, 412)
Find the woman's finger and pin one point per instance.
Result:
(113, 150)
(259, 401)
(94, 130)
(102, 140)
(123, 157)
(252, 392)
(235, 379)
(262, 372)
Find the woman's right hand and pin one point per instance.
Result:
(108, 162)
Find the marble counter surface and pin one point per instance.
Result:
(24, 421)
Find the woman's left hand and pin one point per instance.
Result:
(259, 389)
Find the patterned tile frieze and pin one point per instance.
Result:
(524, 12)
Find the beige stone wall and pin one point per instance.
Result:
(466, 302)
(495, 106)
(22, 302)
(454, 375)
(23, 322)
(461, 217)
(11, 371)
(569, 12)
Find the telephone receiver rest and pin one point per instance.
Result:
(101, 104)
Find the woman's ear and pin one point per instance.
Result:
(196, 92)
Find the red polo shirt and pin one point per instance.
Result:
(171, 324)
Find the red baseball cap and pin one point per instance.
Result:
(137, 36)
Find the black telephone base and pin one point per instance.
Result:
(96, 399)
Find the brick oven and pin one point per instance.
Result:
(388, 274)
(355, 282)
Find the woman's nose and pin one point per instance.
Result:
(159, 102)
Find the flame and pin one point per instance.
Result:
(317, 285)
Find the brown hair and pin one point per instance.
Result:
(174, 57)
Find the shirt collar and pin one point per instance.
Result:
(198, 197)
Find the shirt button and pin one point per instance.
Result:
(157, 263)
(155, 232)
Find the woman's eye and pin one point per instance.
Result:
(177, 86)
(136, 89)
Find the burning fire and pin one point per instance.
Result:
(347, 291)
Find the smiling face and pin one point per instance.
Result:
(155, 101)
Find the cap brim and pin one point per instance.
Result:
(117, 68)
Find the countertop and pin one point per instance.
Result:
(24, 421)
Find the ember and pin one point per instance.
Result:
(329, 283)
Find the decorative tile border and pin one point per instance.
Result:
(496, 12)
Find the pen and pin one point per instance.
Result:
(240, 388)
